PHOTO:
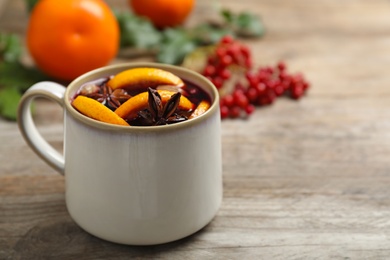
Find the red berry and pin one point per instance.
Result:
(306, 85)
(252, 78)
(281, 66)
(209, 70)
(240, 100)
(234, 52)
(282, 75)
(228, 100)
(226, 60)
(227, 39)
(267, 98)
(250, 75)
(235, 112)
(260, 87)
(249, 109)
(248, 63)
(245, 51)
(279, 89)
(286, 83)
(218, 82)
(225, 74)
(252, 95)
(296, 78)
(224, 111)
(263, 75)
(211, 59)
(221, 52)
(270, 83)
(297, 91)
(239, 86)
(238, 92)
(269, 70)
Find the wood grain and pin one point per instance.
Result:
(302, 180)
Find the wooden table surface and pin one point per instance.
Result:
(302, 180)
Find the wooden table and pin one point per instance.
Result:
(302, 180)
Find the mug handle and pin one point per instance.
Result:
(52, 91)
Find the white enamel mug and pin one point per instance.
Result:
(134, 185)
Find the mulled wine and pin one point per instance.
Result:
(160, 98)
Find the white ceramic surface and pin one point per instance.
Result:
(134, 185)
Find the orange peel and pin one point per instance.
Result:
(132, 106)
(141, 78)
(200, 109)
(96, 110)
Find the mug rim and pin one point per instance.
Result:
(75, 84)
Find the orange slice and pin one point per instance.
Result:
(200, 109)
(132, 106)
(142, 78)
(96, 110)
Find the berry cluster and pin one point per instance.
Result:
(229, 53)
(258, 87)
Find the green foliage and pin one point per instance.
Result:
(15, 77)
(176, 43)
(30, 4)
(10, 47)
(9, 100)
(137, 31)
(243, 24)
(173, 44)
(206, 33)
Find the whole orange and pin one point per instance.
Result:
(70, 37)
(163, 13)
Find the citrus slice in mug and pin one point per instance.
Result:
(139, 78)
(96, 110)
(131, 107)
(203, 106)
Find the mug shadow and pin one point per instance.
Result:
(63, 239)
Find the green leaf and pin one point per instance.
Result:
(249, 25)
(227, 15)
(15, 75)
(30, 4)
(175, 45)
(244, 24)
(14, 80)
(10, 47)
(206, 34)
(137, 31)
(9, 100)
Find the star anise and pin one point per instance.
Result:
(110, 98)
(159, 114)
